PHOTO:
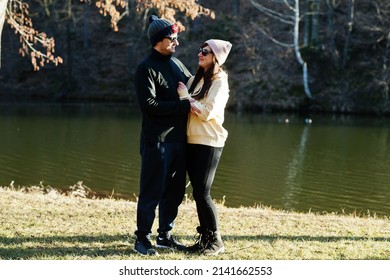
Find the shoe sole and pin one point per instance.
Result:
(221, 250)
(170, 247)
(164, 247)
(139, 253)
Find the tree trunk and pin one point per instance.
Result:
(314, 22)
(86, 27)
(385, 69)
(3, 8)
(69, 53)
(306, 24)
(236, 7)
(311, 19)
(297, 51)
(331, 32)
(351, 5)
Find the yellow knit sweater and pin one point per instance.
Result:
(206, 127)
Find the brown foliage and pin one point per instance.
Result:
(167, 9)
(37, 44)
(111, 8)
(40, 47)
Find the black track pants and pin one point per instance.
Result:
(162, 184)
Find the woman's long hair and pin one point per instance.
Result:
(208, 77)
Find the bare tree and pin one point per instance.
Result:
(315, 11)
(385, 69)
(3, 7)
(46, 6)
(297, 50)
(331, 30)
(383, 12)
(351, 13)
(292, 17)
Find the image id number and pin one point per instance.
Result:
(231, 270)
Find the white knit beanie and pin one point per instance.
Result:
(220, 49)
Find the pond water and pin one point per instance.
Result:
(318, 163)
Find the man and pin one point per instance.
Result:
(163, 137)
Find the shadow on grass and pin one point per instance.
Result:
(308, 238)
(57, 247)
(106, 246)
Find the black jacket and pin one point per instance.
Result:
(164, 115)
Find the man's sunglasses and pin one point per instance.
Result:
(204, 51)
(172, 39)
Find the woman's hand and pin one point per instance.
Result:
(194, 108)
(183, 91)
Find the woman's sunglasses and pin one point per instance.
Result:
(204, 51)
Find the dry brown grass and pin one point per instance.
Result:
(38, 223)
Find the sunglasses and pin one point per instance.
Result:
(204, 51)
(172, 39)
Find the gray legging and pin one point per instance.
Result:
(202, 163)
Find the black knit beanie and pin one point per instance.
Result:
(160, 28)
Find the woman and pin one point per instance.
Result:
(208, 93)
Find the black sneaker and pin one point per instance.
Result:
(144, 247)
(169, 243)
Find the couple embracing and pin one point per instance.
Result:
(182, 117)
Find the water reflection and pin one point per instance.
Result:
(62, 145)
(332, 164)
(293, 178)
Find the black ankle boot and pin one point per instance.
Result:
(199, 243)
(214, 244)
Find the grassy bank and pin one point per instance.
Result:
(43, 224)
